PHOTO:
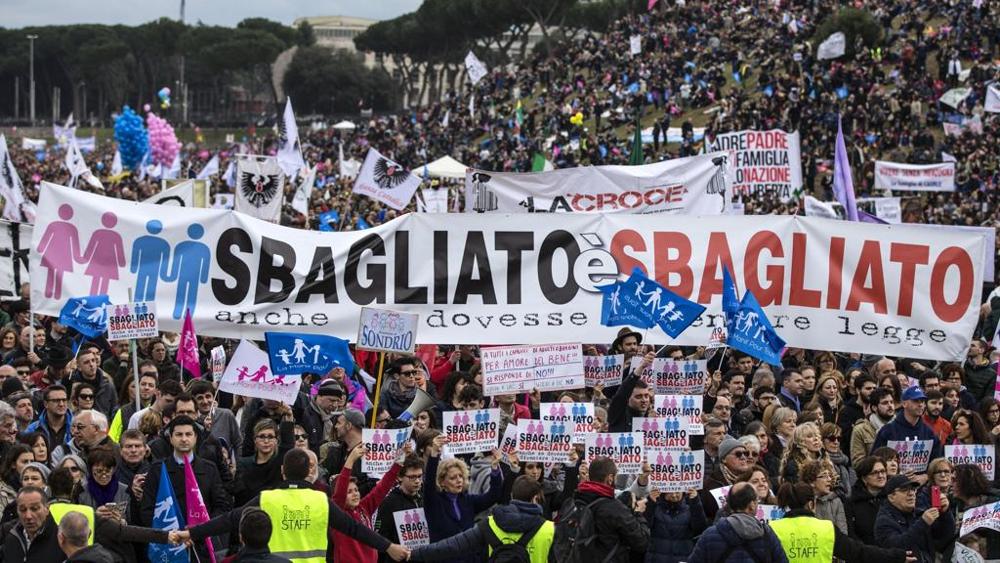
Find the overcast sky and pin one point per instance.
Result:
(21, 13)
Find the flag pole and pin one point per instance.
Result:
(378, 388)
(135, 365)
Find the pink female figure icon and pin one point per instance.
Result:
(104, 256)
(60, 249)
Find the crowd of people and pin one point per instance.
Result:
(81, 460)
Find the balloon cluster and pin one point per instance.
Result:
(164, 96)
(577, 119)
(163, 143)
(133, 141)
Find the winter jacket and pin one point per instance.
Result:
(252, 477)
(105, 396)
(851, 413)
(863, 436)
(42, 425)
(44, 547)
(619, 413)
(209, 449)
(92, 554)
(846, 548)
(980, 379)
(71, 447)
(845, 472)
(615, 525)
(732, 540)
(385, 523)
(713, 480)
(439, 506)
(829, 507)
(894, 528)
(122, 540)
(396, 399)
(673, 527)
(898, 429)
(940, 426)
(346, 548)
(862, 509)
(517, 517)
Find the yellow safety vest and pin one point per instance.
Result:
(805, 539)
(299, 518)
(59, 509)
(539, 546)
(117, 427)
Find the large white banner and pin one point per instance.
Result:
(510, 279)
(888, 209)
(694, 185)
(763, 163)
(15, 242)
(915, 177)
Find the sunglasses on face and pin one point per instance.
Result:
(301, 437)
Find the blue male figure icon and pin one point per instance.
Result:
(190, 269)
(150, 261)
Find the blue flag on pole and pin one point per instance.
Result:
(615, 312)
(167, 516)
(296, 353)
(652, 304)
(752, 332)
(362, 224)
(730, 301)
(328, 221)
(86, 315)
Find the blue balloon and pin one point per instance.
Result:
(132, 138)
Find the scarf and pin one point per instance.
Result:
(102, 495)
(454, 505)
(595, 487)
(728, 475)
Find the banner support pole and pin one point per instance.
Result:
(378, 388)
(135, 365)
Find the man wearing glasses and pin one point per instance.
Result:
(405, 496)
(399, 393)
(734, 459)
(89, 430)
(55, 419)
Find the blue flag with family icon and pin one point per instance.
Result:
(752, 332)
(296, 353)
(662, 307)
(618, 309)
(86, 315)
(328, 221)
(167, 516)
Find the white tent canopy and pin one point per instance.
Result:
(444, 167)
(344, 125)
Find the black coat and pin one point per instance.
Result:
(615, 524)
(45, 546)
(673, 529)
(385, 524)
(209, 449)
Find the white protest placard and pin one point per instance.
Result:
(218, 362)
(676, 470)
(717, 339)
(684, 377)
(661, 432)
(15, 242)
(984, 516)
(127, 321)
(411, 526)
(686, 409)
(516, 369)
(508, 443)
(720, 494)
(578, 415)
(768, 512)
(249, 374)
(635, 44)
(603, 370)
(545, 442)
(763, 163)
(381, 448)
(915, 177)
(648, 373)
(472, 432)
(914, 455)
(976, 454)
(387, 331)
(624, 448)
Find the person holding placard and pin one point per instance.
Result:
(970, 488)
(404, 496)
(908, 424)
(675, 520)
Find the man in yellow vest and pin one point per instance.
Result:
(518, 524)
(300, 516)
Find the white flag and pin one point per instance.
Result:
(472, 106)
(419, 199)
(289, 152)
(65, 133)
(832, 47)
(10, 185)
(181, 195)
(300, 199)
(992, 99)
(635, 44)
(230, 175)
(260, 186)
(386, 181)
(817, 208)
(116, 164)
(249, 374)
(174, 171)
(446, 120)
(477, 70)
(946, 157)
(78, 166)
(348, 168)
(211, 169)
(435, 200)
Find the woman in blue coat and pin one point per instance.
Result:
(675, 520)
(449, 508)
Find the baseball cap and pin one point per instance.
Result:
(355, 417)
(897, 482)
(914, 394)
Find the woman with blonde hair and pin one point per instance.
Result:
(780, 423)
(806, 445)
(828, 397)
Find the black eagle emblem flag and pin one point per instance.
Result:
(258, 189)
(388, 174)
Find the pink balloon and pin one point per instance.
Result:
(162, 140)
(145, 107)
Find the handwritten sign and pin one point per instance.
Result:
(624, 448)
(603, 370)
(579, 415)
(516, 369)
(381, 448)
(661, 432)
(387, 331)
(472, 432)
(127, 321)
(544, 441)
(676, 470)
(914, 455)
(975, 454)
(685, 408)
(411, 525)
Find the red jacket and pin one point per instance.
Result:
(941, 427)
(345, 548)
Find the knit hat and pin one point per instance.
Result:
(330, 388)
(354, 417)
(42, 468)
(727, 446)
(79, 462)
